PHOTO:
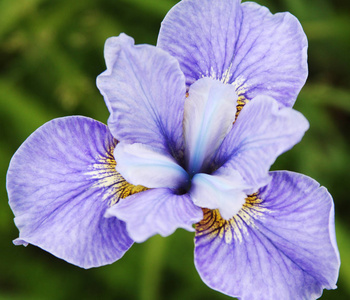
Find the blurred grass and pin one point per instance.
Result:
(50, 54)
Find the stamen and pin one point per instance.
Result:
(241, 101)
(105, 176)
(232, 230)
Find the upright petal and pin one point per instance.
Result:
(156, 211)
(243, 44)
(262, 131)
(209, 113)
(144, 90)
(281, 245)
(60, 183)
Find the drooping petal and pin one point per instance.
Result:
(144, 90)
(243, 44)
(60, 183)
(143, 165)
(280, 246)
(223, 190)
(156, 211)
(262, 131)
(209, 113)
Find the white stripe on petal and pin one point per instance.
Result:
(143, 165)
(224, 190)
(209, 113)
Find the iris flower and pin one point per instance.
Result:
(195, 125)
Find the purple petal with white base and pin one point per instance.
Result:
(144, 90)
(156, 211)
(60, 183)
(243, 44)
(280, 246)
(262, 132)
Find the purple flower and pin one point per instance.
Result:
(195, 124)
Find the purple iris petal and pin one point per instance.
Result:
(243, 44)
(144, 90)
(260, 134)
(156, 211)
(60, 183)
(280, 246)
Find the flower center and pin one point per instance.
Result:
(209, 113)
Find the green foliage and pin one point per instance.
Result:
(50, 54)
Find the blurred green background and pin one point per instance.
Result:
(50, 54)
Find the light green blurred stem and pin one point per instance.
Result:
(344, 249)
(152, 268)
